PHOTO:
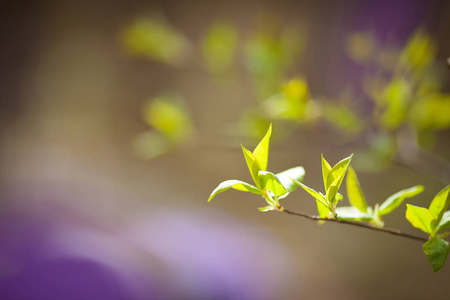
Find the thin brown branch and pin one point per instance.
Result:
(359, 224)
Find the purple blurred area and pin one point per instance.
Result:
(82, 218)
(57, 253)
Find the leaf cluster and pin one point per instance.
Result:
(433, 220)
(274, 187)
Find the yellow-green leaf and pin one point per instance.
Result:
(335, 177)
(286, 177)
(325, 171)
(396, 199)
(420, 217)
(261, 152)
(270, 182)
(253, 166)
(351, 213)
(445, 222)
(440, 203)
(395, 99)
(219, 47)
(265, 208)
(318, 196)
(235, 184)
(322, 209)
(354, 192)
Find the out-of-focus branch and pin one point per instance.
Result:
(412, 156)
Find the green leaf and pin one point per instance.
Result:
(325, 171)
(352, 213)
(335, 177)
(261, 151)
(354, 192)
(271, 182)
(157, 39)
(253, 165)
(420, 217)
(342, 116)
(318, 196)
(431, 112)
(445, 222)
(396, 199)
(297, 173)
(235, 184)
(419, 52)
(219, 47)
(322, 209)
(440, 203)
(265, 208)
(436, 249)
(395, 98)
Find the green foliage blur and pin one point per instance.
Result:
(171, 127)
(400, 93)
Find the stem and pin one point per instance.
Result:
(359, 224)
(415, 157)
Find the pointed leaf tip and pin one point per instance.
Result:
(326, 168)
(335, 177)
(316, 195)
(440, 203)
(253, 165)
(396, 199)
(261, 151)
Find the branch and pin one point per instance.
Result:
(359, 224)
(415, 157)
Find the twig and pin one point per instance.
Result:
(359, 224)
(415, 157)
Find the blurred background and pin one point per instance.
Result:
(118, 119)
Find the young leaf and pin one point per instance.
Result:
(271, 182)
(335, 177)
(297, 173)
(352, 213)
(325, 171)
(354, 192)
(436, 249)
(445, 222)
(322, 209)
(318, 196)
(440, 203)
(420, 217)
(265, 208)
(396, 199)
(253, 165)
(261, 151)
(235, 184)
